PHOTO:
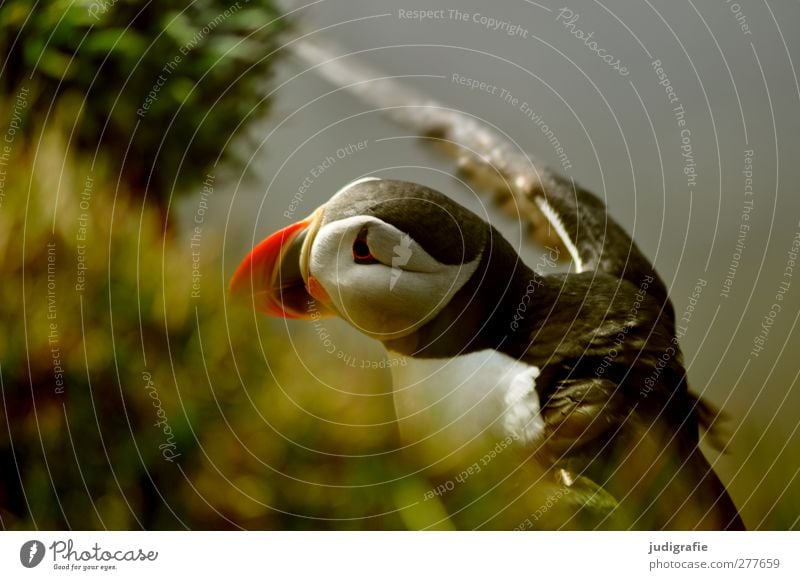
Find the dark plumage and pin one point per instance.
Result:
(613, 387)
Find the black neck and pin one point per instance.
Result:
(496, 309)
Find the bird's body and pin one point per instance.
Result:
(577, 377)
(560, 395)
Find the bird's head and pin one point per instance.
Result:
(385, 255)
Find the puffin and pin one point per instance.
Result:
(559, 400)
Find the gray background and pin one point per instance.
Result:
(740, 91)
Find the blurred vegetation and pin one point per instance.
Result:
(131, 397)
(90, 454)
(155, 88)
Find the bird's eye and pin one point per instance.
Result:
(361, 251)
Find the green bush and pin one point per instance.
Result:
(157, 88)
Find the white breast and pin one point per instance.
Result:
(468, 404)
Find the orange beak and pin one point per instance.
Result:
(274, 276)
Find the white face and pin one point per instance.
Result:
(400, 289)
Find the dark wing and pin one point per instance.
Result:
(617, 409)
(606, 439)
